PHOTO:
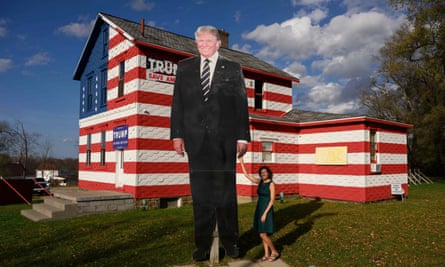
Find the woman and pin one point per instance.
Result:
(264, 214)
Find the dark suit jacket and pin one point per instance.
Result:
(224, 117)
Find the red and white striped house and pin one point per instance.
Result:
(126, 73)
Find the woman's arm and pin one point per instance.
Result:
(248, 176)
(271, 202)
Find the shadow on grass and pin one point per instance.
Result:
(283, 217)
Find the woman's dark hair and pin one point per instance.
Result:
(269, 171)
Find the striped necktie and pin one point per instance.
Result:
(205, 80)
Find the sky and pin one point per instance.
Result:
(331, 46)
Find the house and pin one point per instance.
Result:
(127, 72)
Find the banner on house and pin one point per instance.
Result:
(120, 137)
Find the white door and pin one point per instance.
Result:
(119, 168)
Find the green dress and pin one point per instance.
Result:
(263, 191)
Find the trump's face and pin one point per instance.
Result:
(207, 44)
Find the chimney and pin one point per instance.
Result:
(224, 38)
(142, 26)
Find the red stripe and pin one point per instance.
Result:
(155, 98)
(352, 147)
(159, 191)
(392, 148)
(343, 193)
(272, 113)
(350, 169)
(95, 166)
(115, 41)
(133, 120)
(124, 55)
(140, 192)
(251, 190)
(140, 97)
(276, 97)
(155, 167)
(271, 96)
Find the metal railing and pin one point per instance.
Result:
(15, 190)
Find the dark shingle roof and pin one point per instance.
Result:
(187, 45)
(302, 116)
(297, 115)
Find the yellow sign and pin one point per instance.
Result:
(337, 155)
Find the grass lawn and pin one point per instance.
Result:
(309, 232)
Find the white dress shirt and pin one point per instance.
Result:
(212, 65)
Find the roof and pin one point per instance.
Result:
(297, 117)
(174, 42)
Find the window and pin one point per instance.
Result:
(103, 85)
(373, 145)
(120, 89)
(90, 93)
(267, 149)
(104, 42)
(259, 94)
(88, 158)
(102, 148)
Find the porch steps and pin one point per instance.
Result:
(74, 203)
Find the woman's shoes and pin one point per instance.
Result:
(273, 257)
(264, 258)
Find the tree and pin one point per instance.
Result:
(410, 84)
(46, 147)
(22, 144)
(6, 137)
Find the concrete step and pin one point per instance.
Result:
(68, 206)
(58, 202)
(47, 210)
(73, 203)
(68, 211)
(34, 215)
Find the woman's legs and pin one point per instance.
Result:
(269, 248)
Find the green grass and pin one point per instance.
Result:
(309, 232)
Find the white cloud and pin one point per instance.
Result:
(354, 6)
(141, 5)
(5, 64)
(77, 29)
(38, 59)
(295, 38)
(342, 107)
(246, 48)
(350, 33)
(325, 93)
(296, 68)
(315, 15)
(308, 2)
(327, 57)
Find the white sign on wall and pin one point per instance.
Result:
(161, 70)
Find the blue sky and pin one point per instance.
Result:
(330, 45)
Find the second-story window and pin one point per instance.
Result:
(103, 84)
(259, 94)
(90, 93)
(120, 88)
(373, 145)
(104, 42)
